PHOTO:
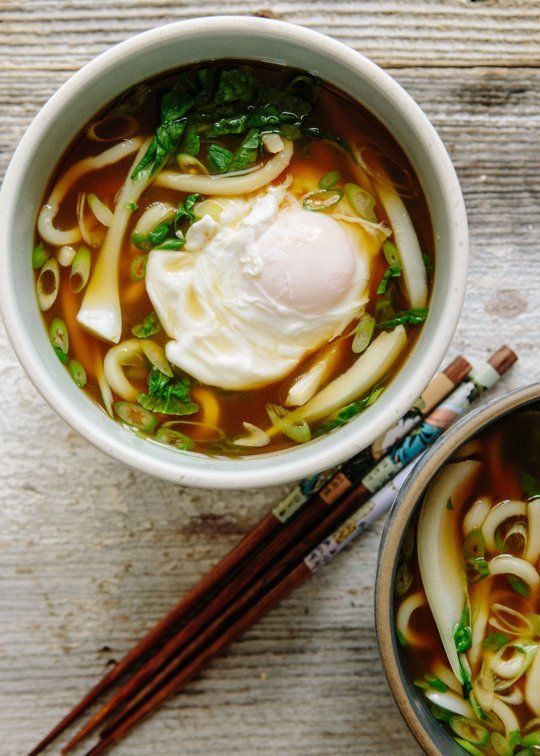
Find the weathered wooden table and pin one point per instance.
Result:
(92, 554)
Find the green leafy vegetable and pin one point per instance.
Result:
(149, 327)
(219, 158)
(168, 396)
(412, 317)
(530, 485)
(174, 107)
(246, 155)
(519, 586)
(235, 85)
(348, 412)
(191, 144)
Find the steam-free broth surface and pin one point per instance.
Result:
(335, 146)
(492, 705)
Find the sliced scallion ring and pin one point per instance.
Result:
(469, 747)
(361, 202)
(103, 213)
(403, 581)
(469, 730)
(58, 334)
(66, 255)
(137, 268)
(501, 745)
(474, 545)
(329, 180)
(48, 284)
(136, 416)
(39, 256)
(174, 438)
(190, 164)
(322, 199)
(77, 372)
(80, 269)
(295, 428)
(532, 740)
(363, 334)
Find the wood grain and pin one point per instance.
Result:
(91, 553)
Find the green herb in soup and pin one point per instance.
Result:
(234, 258)
(468, 599)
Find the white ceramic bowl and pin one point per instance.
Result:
(161, 50)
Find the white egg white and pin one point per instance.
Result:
(256, 288)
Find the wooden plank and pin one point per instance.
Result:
(62, 35)
(92, 553)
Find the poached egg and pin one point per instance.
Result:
(258, 286)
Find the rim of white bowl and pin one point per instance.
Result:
(276, 467)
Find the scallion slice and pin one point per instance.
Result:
(48, 284)
(78, 373)
(39, 256)
(58, 334)
(103, 213)
(137, 268)
(136, 416)
(322, 199)
(469, 730)
(403, 581)
(174, 438)
(361, 202)
(329, 180)
(80, 269)
(363, 334)
(294, 428)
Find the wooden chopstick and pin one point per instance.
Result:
(214, 632)
(319, 515)
(168, 682)
(274, 523)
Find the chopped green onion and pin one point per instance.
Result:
(462, 632)
(361, 202)
(155, 354)
(137, 268)
(133, 206)
(421, 683)
(469, 747)
(501, 745)
(329, 180)
(477, 569)
(171, 244)
(80, 270)
(427, 263)
(58, 334)
(532, 740)
(101, 211)
(449, 504)
(39, 256)
(403, 581)
(78, 373)
(295, 428)
(174, 438)
(363, 334)
(141, 241)
(519, 586)
(322, 199)
(413, 317)
(158, 234)
(440, 714)
(474, 544)
(190, 164)
(136, 416)
(435, 682)
(48, 284)
(401, 638)
(385, 280)
(407, 547)
(149, 327)
(469, 730)
(495, 641)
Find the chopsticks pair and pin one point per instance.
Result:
(302, 533)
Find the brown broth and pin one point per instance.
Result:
(505, 457)
(335, 113)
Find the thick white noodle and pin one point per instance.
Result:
(46, 228)
(497, 515)
(229, 185)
